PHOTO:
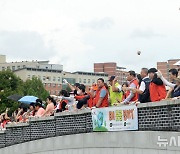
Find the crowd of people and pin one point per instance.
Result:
(148, 86)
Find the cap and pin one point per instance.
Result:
(152, 70)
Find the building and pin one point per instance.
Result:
(164, 67)
(88, 78)
(111, 68)
(51, 75)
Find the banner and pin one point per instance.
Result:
(115, 118)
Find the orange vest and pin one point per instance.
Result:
(136, 94)
(157, 92)
(90, 101)
(105, 99)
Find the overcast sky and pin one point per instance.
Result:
(77, 33)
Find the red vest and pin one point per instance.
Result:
(136, 94)
(105, 99)
(60, 105)
(78, 97)
(157, 92)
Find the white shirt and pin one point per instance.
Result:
(143, 85)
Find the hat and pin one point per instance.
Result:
(112, 78)
(152, 70)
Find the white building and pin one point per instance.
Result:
(51, 75)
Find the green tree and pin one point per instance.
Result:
(36, 88)
(9, 84)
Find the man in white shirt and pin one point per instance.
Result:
(143, 90)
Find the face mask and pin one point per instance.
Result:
(78, 92)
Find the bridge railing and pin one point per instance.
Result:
(158, 116)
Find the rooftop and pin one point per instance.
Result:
(90, 73)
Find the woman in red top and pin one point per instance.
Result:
(125, 93)
(63, 103)
(157, 89)
(21, 116)
(4, 119)
(82, 97)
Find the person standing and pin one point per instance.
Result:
(115, 91)
(175, 87)
(173, 74)
(39, 110)
(133, 84)
(143, 91)
(73, 88)
(101, 95)
(50, 106)
(157, 89)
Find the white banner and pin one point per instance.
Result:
(115, 118)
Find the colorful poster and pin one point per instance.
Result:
(115, 118)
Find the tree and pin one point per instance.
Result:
(9, 84)
(35, 87)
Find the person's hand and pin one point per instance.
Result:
(133, 90)
(93, 107)
(125, 88)
(2, 114)
(91, 88)
(65, 81)
(116, 104)
(122, 103)
(118, 100)
(159, 74)
(7, 110)
(137, 103)
(115, 79)
(20, 111)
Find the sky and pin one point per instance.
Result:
(78, 33)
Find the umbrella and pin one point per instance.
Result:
(14, 97)
(28, 99)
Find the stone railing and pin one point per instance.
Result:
(159, 116)
(163, 116)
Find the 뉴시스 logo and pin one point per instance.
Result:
(173, 141)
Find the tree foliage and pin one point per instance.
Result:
(11, 84)
(35, 87)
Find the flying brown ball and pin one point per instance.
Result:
(139, 53)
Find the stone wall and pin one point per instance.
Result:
(158, 116)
